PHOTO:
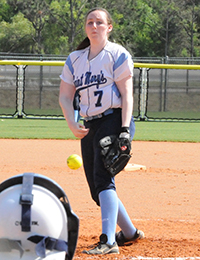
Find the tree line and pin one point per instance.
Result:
(147, 28)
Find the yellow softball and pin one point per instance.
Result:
(74, 161)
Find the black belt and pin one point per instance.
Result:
(105, 113)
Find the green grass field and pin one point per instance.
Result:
(58, 129)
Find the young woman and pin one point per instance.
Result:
(101, 72)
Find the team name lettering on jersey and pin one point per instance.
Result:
(90, 79)
(79, 82)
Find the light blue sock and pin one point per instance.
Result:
(124, 221)
(109, 211)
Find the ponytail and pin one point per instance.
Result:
(85, 43)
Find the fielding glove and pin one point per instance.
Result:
(115, 151)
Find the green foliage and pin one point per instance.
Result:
(144, 27)
(17, 35)
(68, 24)
(6, 11)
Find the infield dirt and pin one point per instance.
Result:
(163, 200)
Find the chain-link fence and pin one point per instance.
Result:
(168, 94)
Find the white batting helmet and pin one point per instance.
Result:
(36, 220)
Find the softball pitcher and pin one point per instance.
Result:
(101, 73)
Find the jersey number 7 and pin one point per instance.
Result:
(99, 94)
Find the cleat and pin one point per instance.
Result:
(103, 248)
(121, 240)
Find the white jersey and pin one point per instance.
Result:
(95, 79)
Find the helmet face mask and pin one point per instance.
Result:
(36, 222)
